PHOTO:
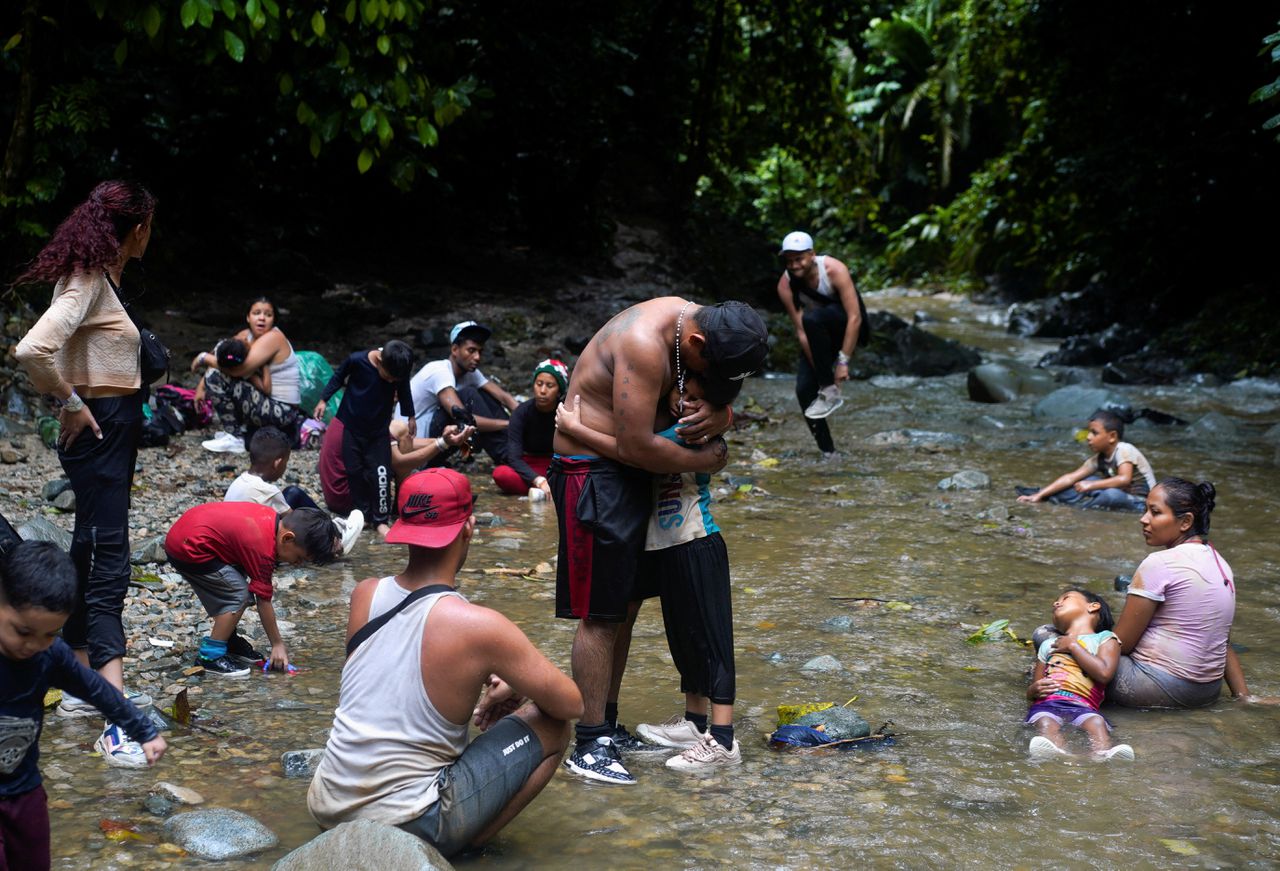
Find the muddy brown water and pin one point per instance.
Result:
(956, 791)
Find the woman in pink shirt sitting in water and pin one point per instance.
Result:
(1176, 624)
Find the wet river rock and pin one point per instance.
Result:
(364, 844)
(839, 724)
(1006, 381)
(1077, 403)
(219, 833)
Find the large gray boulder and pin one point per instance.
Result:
(219, 833)
(40, 528)
(1214, 425)
(899, 348)
(1006, 381)
(364, 845)
(1077, 403)
(838, 723)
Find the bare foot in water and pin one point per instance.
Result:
(383, 529)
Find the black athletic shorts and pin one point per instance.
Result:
(698, 611)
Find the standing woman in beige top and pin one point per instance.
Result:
(84, 353)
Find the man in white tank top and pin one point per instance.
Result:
(818, 294)
(398, 750)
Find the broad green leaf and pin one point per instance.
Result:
(384, 44)
(402, 63)
(229, 9)
(234, 44)
(359, 101)
(272, 8)
(251, 8)
(364, 161)
(1266, 92)
(342, 57)
(369, 11)
(151, 21)
(13, 42)
(317, 22)
(384, 128)
(305, 113)
(315, 145)
(427, 133)
(398, 10)
(205, 13)
(286, 84)
(368, 121)
(350, 13)
(190, 9)
(1271, 123)
(121, 52)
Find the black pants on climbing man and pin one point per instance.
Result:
(824, 327)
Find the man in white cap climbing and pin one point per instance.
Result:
(817, 293)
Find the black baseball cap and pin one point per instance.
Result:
(737, 344)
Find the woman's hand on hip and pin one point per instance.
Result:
(72, 423)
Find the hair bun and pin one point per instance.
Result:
(1209, 494)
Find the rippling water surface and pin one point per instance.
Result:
(958, 789)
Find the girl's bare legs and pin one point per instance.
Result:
(1099, 737)
(1049, 729)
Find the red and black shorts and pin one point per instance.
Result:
(602, 510)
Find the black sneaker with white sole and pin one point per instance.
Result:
(625, 742)
(223, 666)
(599, 760)
(239, 647)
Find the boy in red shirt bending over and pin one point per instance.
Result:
(228, 552)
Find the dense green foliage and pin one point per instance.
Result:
(1040, 141)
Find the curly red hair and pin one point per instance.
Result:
(91, 235)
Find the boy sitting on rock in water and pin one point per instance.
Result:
(268, 458)
(228, 552)
(685, 554)
(1071, 674)
(1117, 477)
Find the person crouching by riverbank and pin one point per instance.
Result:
(418, 655)
(374, 381)
(37, 594)
(1117, 477)
(530, 433)
(227, 552)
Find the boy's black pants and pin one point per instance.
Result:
(368, 461)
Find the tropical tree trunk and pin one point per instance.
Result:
(19, 147)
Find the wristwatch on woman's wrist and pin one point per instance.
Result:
(73, 403)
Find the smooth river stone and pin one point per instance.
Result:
(219, 833)
(364, 844)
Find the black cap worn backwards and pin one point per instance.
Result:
(737, 345)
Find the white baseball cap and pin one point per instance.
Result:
(796, 241)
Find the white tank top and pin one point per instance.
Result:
(286, 379)
(824, 284)
(386, 596)
(388, 742)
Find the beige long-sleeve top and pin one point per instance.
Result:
(84, 339)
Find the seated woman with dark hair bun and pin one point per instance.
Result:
(1176, 625)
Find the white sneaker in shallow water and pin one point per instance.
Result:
(676, 732)
(1041, 748)
(829, 399)
(1120, 751)
(224, 443)
(350, 529)
(707, 753)
(70, 706)
(118, 749)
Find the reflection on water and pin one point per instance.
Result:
(958, 789)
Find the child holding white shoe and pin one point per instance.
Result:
(1072, 670)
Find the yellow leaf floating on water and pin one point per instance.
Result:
(897, 778)
(1182, 848)
(52, 697)
(768, 463)
(765, 624)
(897, 606)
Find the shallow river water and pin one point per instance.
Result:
(957, 790)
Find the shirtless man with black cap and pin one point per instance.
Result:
(603, 506)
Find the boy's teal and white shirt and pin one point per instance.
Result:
(682, 506)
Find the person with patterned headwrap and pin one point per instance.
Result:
(530, 433)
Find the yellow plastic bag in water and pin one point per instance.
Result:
(788, 714)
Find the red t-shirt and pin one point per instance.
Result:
(240, 534)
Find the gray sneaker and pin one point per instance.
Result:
(676, 732)
(70, 706)
(829, 399)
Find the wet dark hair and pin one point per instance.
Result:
(1102, 620)
(314, 531)
(1184, 497)
(268, 445)
(397, 359)
(1111, 422)
(39, 574)
(89, 239)
(231, 352)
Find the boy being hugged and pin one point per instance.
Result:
(228, 552)
(1117, 477)
(374, 380)
(37, 593)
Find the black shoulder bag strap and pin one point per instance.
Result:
(378, 622)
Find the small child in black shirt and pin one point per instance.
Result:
(37, 593)
(374, 379)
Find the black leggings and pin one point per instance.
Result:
(101, 474)
(824, 327)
